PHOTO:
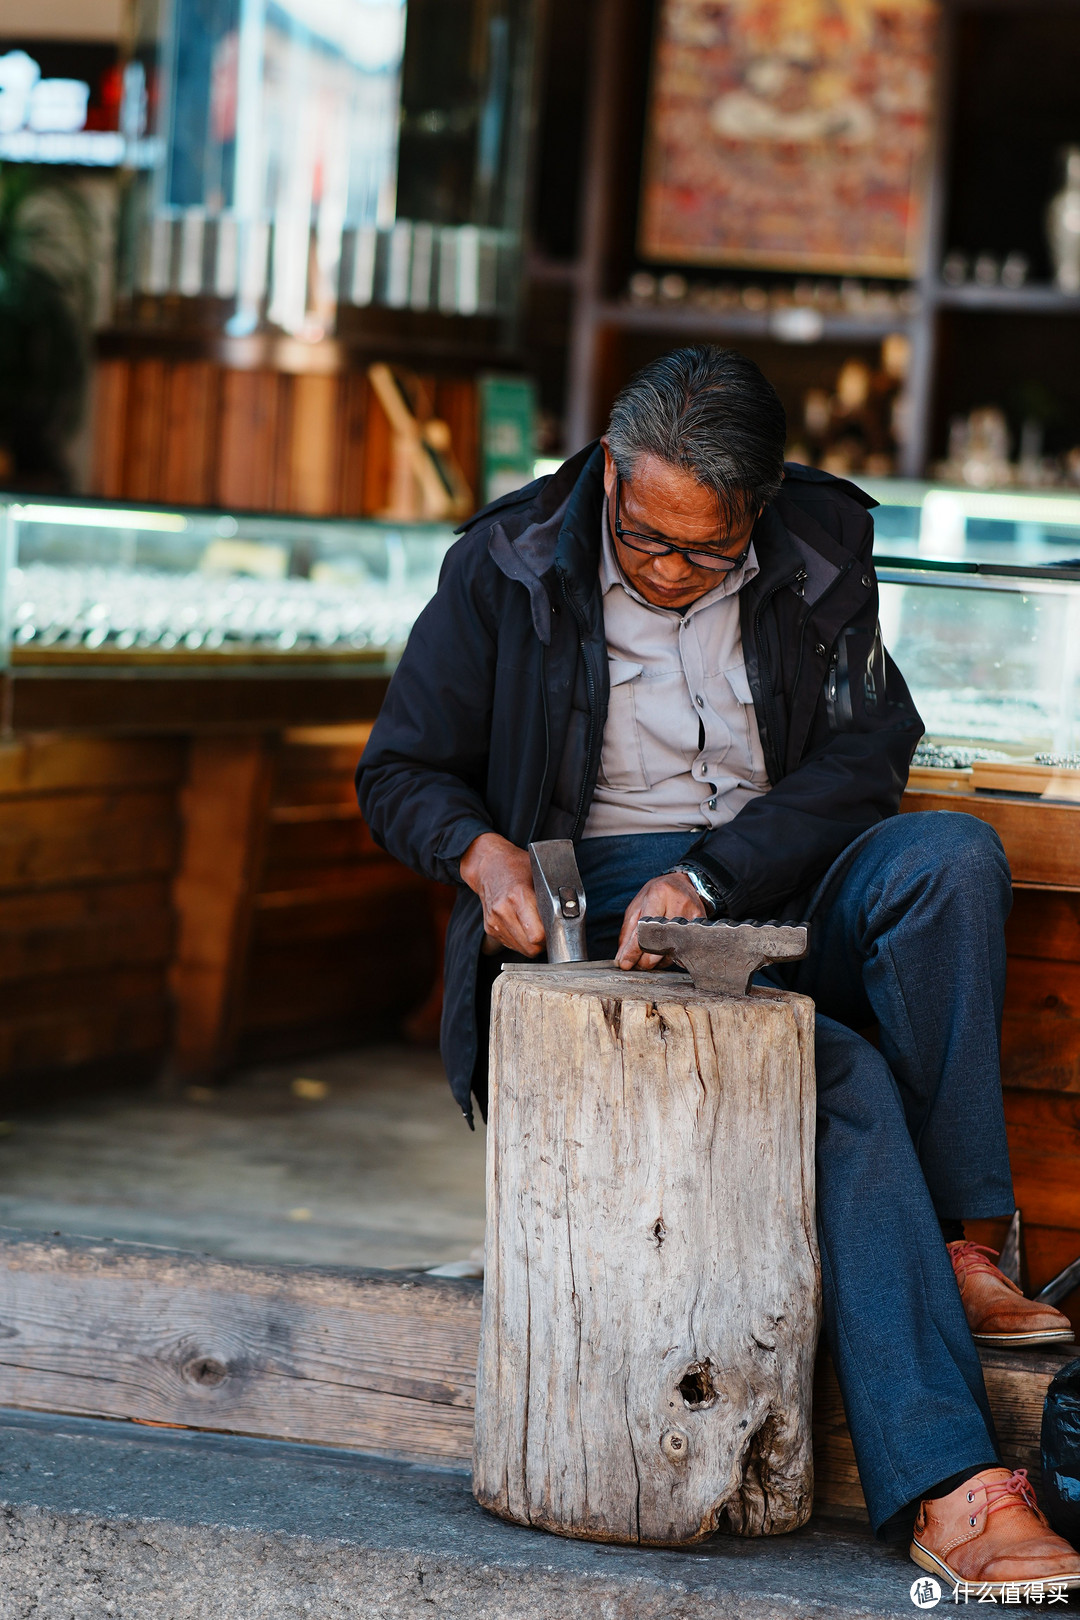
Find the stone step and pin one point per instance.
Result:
(106, 1520)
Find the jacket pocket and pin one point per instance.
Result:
(622, 763)
(747, 737)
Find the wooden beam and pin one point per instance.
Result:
(224, 807)
(373, 1360)
(378, 1361)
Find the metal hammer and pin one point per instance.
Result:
(560, 898)
(722, 957)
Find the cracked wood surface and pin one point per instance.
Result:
(376, 1360)
(652, 1292)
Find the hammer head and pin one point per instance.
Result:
(722, 957)
(560, 898)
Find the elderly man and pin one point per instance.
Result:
(668, 651)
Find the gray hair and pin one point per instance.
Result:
(711, 412)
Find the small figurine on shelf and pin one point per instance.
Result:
(978, 449)
(853, 428)
(1015, 270)
(1063, 225)
(954, 271)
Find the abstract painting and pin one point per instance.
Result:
(789, 134)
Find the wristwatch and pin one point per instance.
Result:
(709, 891)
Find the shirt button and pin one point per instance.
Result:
(700, 701)
(866, 581)
(820, 649)
(711, 804)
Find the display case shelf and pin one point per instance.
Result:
(123, 616)
(111, 585)
(785, 324)
(1035, 300)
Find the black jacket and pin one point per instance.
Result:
(495, 716)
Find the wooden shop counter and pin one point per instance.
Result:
(1041, 1027)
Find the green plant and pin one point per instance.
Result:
(46, 290)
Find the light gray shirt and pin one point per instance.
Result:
(681, 748)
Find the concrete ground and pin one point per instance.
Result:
(106, 1521)
(359, 1159)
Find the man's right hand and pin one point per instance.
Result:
(501, 874)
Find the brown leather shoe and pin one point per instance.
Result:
(997, 1312)
(989, 1533)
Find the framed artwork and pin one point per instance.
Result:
(789, 134)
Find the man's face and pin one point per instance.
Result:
(669, 504)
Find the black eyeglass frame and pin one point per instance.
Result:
(654, 546)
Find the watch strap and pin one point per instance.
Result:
(709, 891)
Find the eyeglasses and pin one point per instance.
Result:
(652, 546)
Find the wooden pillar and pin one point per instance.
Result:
(652, 1289)
(313, 443)
(224, 808)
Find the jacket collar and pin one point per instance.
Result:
(556, 525)
(779, 559)
(559, 529)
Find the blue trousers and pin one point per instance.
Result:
(908, 933)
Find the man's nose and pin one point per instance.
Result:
(672, 568)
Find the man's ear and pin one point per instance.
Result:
(610, 470)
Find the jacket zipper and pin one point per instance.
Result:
(590, 687)
(766, 698)
(547, 744)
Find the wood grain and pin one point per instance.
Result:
(366, 1359)
(1042, 841)
(85, 837)
(109, 417)
(378, 1361)
(49, 764)
(294, 916)
(224, 806)
(313, 444)
(144, 424)
(113, 1015)
(189, 450)
(1044, 926)
(251, 408)
(1040, 1034)
(652, 1294)
(126, 938)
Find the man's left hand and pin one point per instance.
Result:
(672, 895)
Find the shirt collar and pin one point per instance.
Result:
(611, 575)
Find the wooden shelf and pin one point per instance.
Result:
(1035, 300)
(779, 325)
(951, 369)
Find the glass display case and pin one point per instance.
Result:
(100, 586)
(986, 629)
(368, 152)
(934, 523)
(980, 607)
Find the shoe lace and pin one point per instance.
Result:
(1002, 1492)
(968, 1257)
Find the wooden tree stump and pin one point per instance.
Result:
(652, 1287)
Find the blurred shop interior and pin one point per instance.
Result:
(288, 289)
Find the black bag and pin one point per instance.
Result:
(1061, 1453)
